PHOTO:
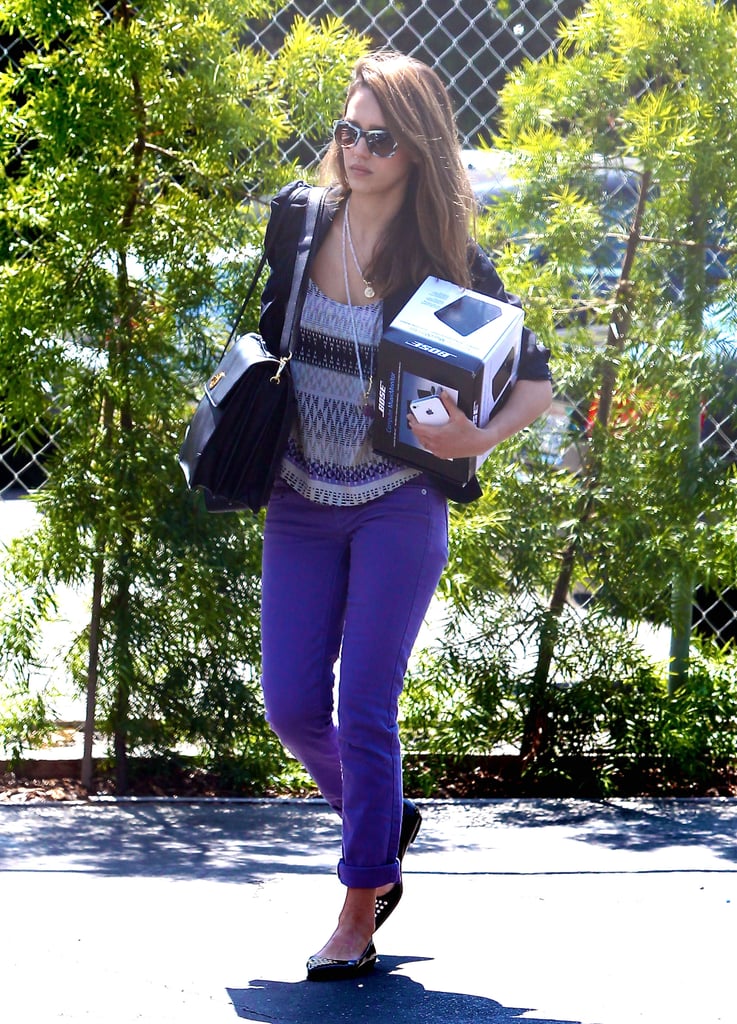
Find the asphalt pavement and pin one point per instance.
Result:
(555, 911)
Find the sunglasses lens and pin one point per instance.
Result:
(381, 143)
(345, 134)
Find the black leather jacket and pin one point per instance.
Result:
(283, 234)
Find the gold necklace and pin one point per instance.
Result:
(368, 289)
(366, 405)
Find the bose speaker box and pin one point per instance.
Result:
(445, 338)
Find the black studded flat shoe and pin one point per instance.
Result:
(411, 821)
(387, 904)
(324, 968)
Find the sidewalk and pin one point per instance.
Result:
(554, 911)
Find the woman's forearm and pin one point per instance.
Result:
(528, 400)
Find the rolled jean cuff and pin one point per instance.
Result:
(368, 878)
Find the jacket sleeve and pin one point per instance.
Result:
(280, 244)
(534, 358)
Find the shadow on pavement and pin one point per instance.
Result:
(250, 841)
(218, 842)
(635, 825)
(379, 997)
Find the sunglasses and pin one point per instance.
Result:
(379, 141)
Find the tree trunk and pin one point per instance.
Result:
(92, 674)
(684, 579)
(536, 727)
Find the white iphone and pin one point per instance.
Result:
(430, 411)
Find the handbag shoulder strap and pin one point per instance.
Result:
(315, 203)
(244, 304)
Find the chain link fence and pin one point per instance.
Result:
(473, 45)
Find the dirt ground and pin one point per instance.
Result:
(467, 778)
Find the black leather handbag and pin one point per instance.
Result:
(235, 442)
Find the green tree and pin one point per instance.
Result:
(643, 91)
(139, 144)
(654, 83)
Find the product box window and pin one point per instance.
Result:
(445, 338)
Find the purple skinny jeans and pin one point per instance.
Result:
(356, 583)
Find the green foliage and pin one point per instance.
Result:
(645, 89)
(621, 715)
(608, 718)
(460, 696)
(24, 711)
(136, 155)
(24, 720)
(139, 151)
(633, 86)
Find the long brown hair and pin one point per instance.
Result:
(430, 235)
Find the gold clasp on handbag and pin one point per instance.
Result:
(282, 363)
(215, 379)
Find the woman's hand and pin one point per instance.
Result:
(460, 439)
(456, 439)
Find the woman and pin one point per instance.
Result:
(355, 542)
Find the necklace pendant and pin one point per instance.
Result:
(367, 408)
(368, 291)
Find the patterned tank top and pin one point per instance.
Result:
(329, 457)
